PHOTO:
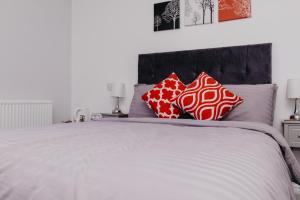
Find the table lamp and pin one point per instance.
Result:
(117, 91)
(293, 92)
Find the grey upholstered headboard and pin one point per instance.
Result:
(250, 64)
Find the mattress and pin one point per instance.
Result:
(147, 159)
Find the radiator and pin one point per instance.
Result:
(25, 114)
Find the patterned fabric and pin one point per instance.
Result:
(158, 98)
(206, 99)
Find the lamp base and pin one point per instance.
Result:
(295, 117)
(117, 111)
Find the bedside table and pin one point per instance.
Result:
(110, 115)
(291, 131)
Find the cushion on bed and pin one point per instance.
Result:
(138, 108)
(258, 106)
(206, 99)
(158, 98)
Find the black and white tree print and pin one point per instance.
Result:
(203, 6)
(157, 21)
(167, 15)
(172, 12)
(196, 17)
(203, 9)
(211, 7)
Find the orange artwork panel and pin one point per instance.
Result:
(234, 9)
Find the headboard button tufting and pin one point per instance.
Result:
(240, 62)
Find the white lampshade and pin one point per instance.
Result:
(293, 89)
(118, 90)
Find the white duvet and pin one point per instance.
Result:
(146, 160)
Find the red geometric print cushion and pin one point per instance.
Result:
(206, 99)
(158, 98)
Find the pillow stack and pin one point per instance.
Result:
(203, 99)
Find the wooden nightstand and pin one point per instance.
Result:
(291, 131)
(109, 115)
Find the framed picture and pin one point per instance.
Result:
(198, 12)
(234, 9)
(167, 15)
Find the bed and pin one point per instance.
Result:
(150, 158)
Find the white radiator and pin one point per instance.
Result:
(27, 114)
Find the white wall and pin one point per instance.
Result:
(107, 37)
(35, 52)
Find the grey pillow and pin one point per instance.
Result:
(138, 108)
(258, 105)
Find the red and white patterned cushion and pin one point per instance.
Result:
(206, 99)
(158, 98)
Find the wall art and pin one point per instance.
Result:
(234, 9)
(167, 15)
(199, 12)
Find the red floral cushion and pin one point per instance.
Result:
(158, 98)
(206, 99)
